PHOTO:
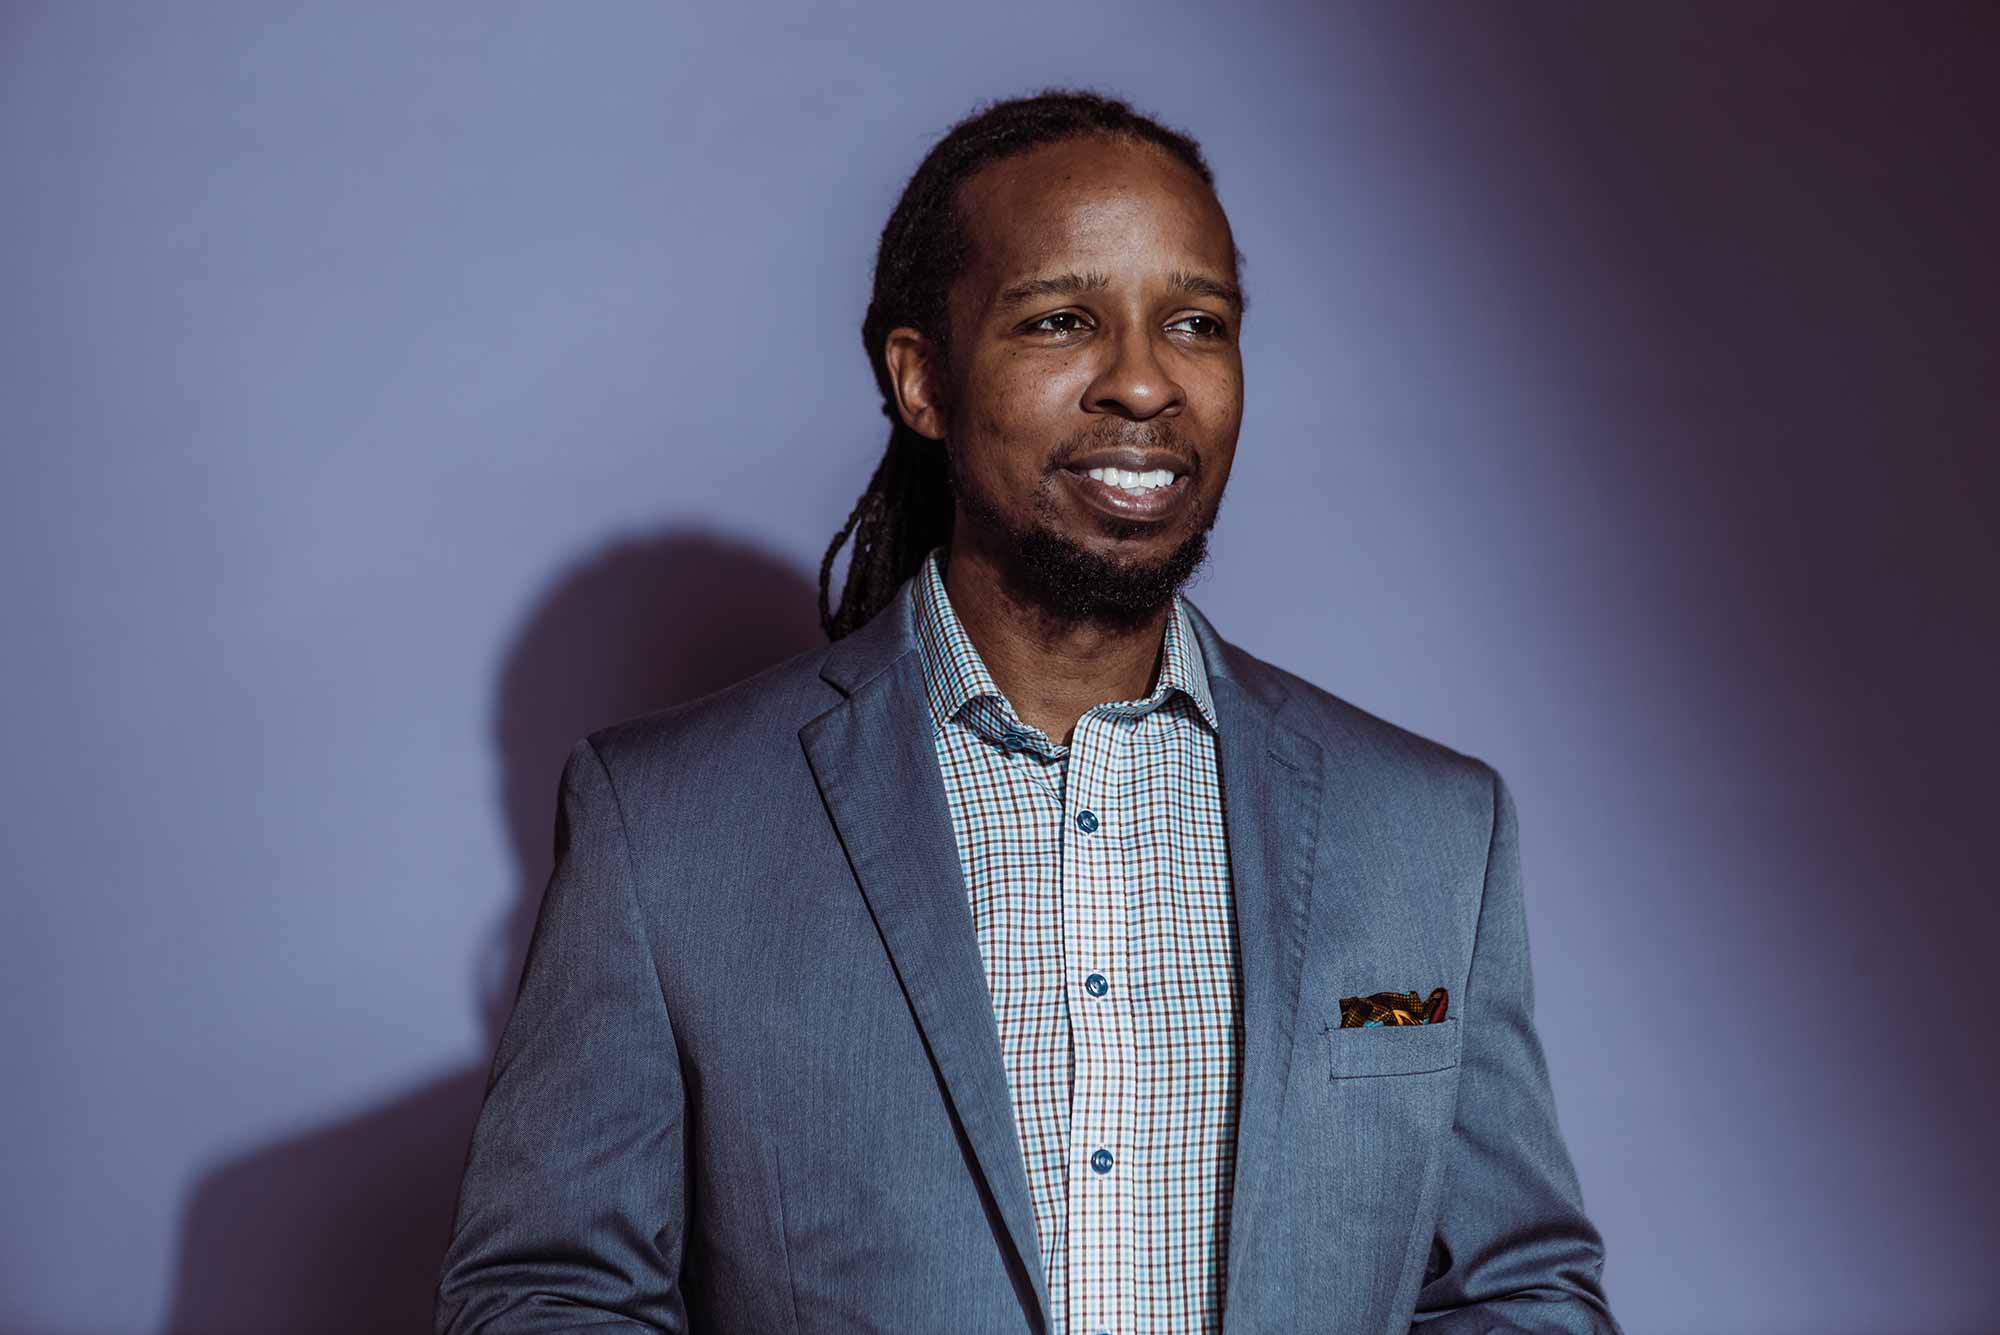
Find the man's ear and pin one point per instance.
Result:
(916, 372)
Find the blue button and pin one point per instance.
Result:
(1101, 1161)
(1086, 821)
(1014, 741)
(1095, 985)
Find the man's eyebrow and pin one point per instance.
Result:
(1201, 285)
(1072, 283)
(1054, 285)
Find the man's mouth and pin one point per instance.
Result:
(1151, 496)
(1136, 483)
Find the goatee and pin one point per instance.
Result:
(1071, 583)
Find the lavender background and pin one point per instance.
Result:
(390, 395)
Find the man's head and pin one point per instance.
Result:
(1055, 294)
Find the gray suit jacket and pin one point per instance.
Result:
(752, 1080)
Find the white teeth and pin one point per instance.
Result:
(1127, 480)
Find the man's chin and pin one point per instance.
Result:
(1073, 583)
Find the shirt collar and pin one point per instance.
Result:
(955, 675)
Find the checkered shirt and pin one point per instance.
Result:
(1104, 917)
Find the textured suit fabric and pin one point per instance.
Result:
(1145, 1069)
(752, 1081)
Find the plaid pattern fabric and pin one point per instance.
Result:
(1104, 916)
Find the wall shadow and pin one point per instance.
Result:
(342, 1227)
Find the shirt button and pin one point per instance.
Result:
(1014, 741)
(1095, 985)
(1086, 821)
(1100, 1162)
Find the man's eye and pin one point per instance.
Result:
(1206, 326)
(1062, 322)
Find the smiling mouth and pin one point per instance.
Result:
(1138, 484)
(1135, 497)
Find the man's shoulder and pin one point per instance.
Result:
(756, 718)
(1367, 749)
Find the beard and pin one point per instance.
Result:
(1046, 568)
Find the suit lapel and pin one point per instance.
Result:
(1271, 785)
(876, 764)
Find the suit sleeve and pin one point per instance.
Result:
(573, 1207)
(1513, 1251)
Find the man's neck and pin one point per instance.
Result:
(1051, 669)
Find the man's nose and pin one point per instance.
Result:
(1134, 382)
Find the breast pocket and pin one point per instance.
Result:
(1394, 1049)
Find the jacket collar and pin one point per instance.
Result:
(891, 633)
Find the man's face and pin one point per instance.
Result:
(1093, 327)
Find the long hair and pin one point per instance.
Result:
(907, 509)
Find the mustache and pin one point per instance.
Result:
(1132, 435)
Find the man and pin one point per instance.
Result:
(1031, 958)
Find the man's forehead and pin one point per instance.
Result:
(1093, 213)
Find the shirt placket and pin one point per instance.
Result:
(1096, 974)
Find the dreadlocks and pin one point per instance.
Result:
(907, 508)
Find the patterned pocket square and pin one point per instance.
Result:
(1392, 1008)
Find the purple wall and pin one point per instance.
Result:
(390, 396)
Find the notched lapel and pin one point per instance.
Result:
(876, 764)
(1273, 786)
